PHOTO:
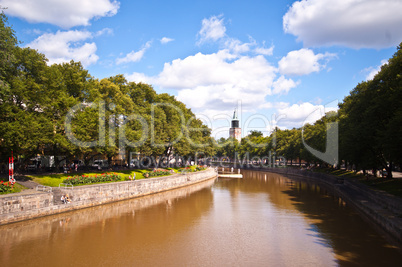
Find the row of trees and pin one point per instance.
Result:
(281, 144)
(369, 121)
(61, 110)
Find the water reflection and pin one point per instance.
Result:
(354, 241)
(102, 234)
(330, 220)
(262, 220)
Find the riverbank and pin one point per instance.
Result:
(378, 207)
(22, 206)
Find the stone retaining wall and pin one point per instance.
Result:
(18, 203)
(41, 204)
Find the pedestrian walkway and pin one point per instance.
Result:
(396, 174)
(31, 185)
(27, 183)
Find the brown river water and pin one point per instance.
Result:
(263, 219)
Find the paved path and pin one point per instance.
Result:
(27, 183)
(397, 174)
(31, 185)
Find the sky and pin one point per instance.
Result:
(279, 63)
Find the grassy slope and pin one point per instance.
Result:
(391, 186)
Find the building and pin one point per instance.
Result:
(235, 130)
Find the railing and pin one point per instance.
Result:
(43, 188)
(227, 170)
(66, 186)
(184, 171)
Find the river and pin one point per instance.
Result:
(263, 219)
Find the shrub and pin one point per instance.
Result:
(6, 187)
(195, 168)
(93, 178)
(200, 168)
(156, 172)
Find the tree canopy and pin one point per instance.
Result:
(61, 110)
(370, 132)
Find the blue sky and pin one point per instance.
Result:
(281, 63)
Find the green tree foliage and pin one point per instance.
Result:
(61, 110)
(369, 119)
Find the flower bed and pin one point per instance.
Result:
(91, 179)
(6, 187)
(156, 172)
(200, 168)
(195, 168)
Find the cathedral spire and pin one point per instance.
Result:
(235, 130)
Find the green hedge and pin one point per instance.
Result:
(91, 179)
(156, 172)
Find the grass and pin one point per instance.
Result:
(54, 180)
(391, 186)
(17, 187)
(340, 173)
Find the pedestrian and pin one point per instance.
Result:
(67, 199)
(63, 199)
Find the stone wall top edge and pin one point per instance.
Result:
(177, 175)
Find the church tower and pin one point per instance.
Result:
(235, 130)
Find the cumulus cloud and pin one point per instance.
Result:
(166, 40)
(105, 31)
(212, 29)
(64, 46)
(276, 105)
(283, 85)
(297, 115)
(373, 71)
(264, 51)
(63, 13)
(237, 47)
(134, 56)
(351, 23)
(302, 62)
(216, 81)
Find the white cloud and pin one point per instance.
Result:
(351, 23)
(302, 62)
(105, 31)
(65, 46)
(212, 29)
(276, 105)
(237, 47)
(63, 13)
(166, 40)
(264, 51)
(134, 56)
(297, 115)
(139, 78)
(216, 81)
(283, 85)
(373, 71)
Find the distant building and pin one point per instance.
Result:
(235, 130)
